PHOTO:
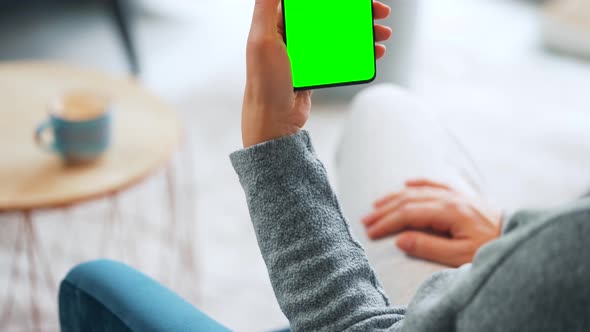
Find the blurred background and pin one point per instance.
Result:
(510, 78)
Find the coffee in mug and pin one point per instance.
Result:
(81, 126)
(79, 106)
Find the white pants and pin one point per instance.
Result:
(388, 139)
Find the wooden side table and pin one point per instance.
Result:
(43, 232)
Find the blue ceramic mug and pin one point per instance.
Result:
(81, 127)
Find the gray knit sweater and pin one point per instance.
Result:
(536, 277)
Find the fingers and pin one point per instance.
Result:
(393, 205)
(395, 201)
(415, 183)
(380, 51)
(382, 33)
(380, 10)
(427, 183)
(435, 248)
(264, 19)
(386, 199)
(418, 215)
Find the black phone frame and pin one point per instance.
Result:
(332, 85)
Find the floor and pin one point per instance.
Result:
(523, 113)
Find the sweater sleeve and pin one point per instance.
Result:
(320, 274)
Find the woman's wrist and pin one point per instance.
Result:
(260, 129)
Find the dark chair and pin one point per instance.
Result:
(118, 9)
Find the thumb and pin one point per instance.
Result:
(435, 248)
(264, 20)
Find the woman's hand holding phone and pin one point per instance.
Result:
(271, 108)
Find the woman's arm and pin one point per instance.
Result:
(319, 273)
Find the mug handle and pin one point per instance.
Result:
(43, 127)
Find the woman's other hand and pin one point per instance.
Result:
(434, 222)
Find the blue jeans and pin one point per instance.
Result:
(109, 296)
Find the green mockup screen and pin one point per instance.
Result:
(330, 42)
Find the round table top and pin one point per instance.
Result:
(145, 134)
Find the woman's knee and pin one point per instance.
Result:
(381, 91)
(385, 107)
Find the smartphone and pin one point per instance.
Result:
(330, 42)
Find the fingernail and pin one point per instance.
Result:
(405, 243)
